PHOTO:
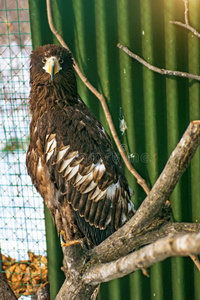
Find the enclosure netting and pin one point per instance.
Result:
(22, 231)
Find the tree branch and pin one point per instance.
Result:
(5, 290)
(147, 216)
(173, 245)
(86, 269)
(103, 102)
(156, 69)
(186, 25)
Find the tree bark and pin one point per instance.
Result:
(114, 257)
(6, 292)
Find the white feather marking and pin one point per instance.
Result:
(90, 168)
(96, 193)
(72, 154)
(82, 123)
(66, 163)
(39, 165)
(67, 171)
(51, 145)
(131, 207)
(90, 187)
(73, 172)
(108, 219)
(111, 189)
(61, 153)
(51, 136)
(88, 178)
(100, 195)
(103, 130)
(81, 180)
(78, 177)
(49, 154)
(123, 218)
(99, 168)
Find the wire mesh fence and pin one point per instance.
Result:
(22, 230)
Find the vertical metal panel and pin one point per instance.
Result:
(194, 113)
(157, 109)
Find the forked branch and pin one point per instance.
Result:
(161, 70)
(172, 245)
(146, 227)
(186, 25)
(156, 69)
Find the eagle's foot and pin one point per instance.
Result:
(65, 243)
(71, 243)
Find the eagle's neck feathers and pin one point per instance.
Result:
(44, 96)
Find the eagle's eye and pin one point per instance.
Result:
(61, 60)
(44, 60)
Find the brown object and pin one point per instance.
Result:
(5, 290)
(70, 158)
(25, 277)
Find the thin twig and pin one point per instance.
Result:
(195, 260)
(190, 28)
(178, 245)
(156, 69)
(186, 12)
(186, 24)
(102, 99)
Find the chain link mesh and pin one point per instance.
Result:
(22, 230)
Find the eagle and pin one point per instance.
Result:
(70, 158)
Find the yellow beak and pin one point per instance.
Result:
(52, 66)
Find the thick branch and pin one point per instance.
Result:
(156, 69)
(88, 268)
(181, 245)
(75, 258)
(166, 229)
(103, 102)
(83, 269)
(5, 290)
(146, 217)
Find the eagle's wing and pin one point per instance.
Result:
(82, 170)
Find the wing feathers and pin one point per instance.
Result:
(61, 154)
(98, 213)
(90, 187)
(82, 202)
(87, 210)
(97, 196)
(105, 214)
(66, 162)
(99, 171)
(72, 172)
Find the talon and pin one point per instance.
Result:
(62, 238)
(63, 241)
(71, 243)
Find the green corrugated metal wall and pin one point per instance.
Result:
(157, 108)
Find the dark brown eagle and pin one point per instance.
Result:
(70, 157)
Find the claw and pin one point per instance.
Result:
(69, 243)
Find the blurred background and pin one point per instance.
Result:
(155, 109)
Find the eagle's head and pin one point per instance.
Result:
(50, 63)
